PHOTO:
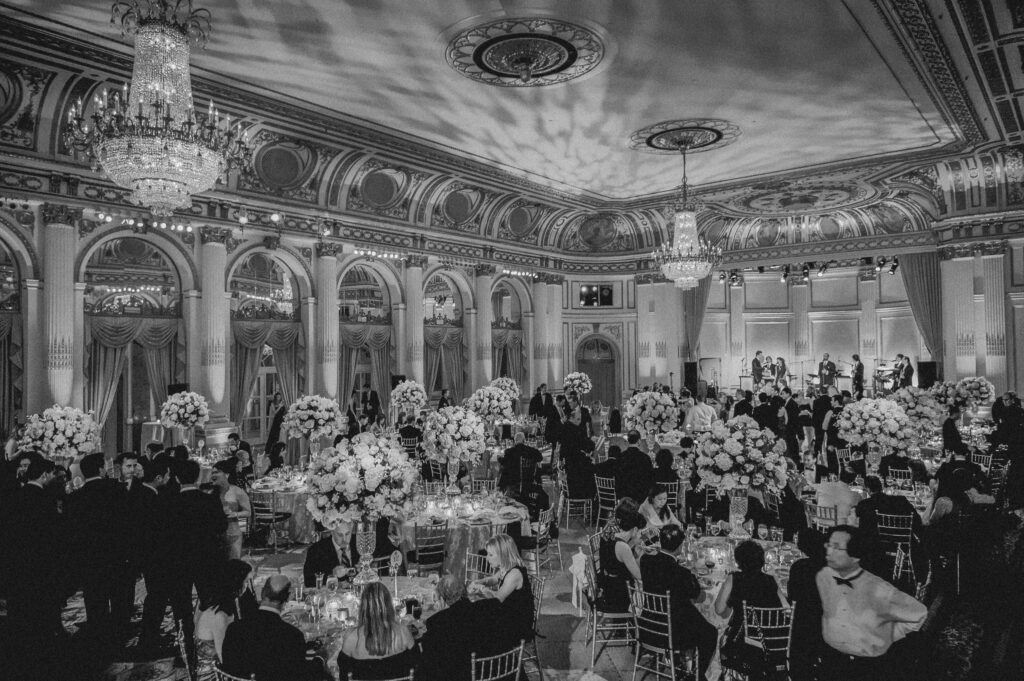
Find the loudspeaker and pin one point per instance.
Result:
(927, 374)
(690, 376)
(175, 388)
(396, 379)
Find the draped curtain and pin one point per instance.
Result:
(108, 338)
(508, 343)
(922, 278)
(377, 340)
(695, 302)
(250, 337)
(10, 371)
(444, 351)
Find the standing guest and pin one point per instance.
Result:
(906, 374)
(781, 372)
(215, 614)
(744, 405)
(830, 426)
(453, 633)
(510, 585)
(656, 510)
(380, 647)
(826, 371)
(805, 641)
(370, 401)
(951, 438)
(552, 421)
(276, 410)
(615, 421)
(863, 615)
(858, 378)
(235, 503)
(662, 574)
(352, 413)
(793, 428)
(700, 417)
(444, 400)
(806, 420)
(635, 474)
(749, 586)
(664, 471)
(619, 568)
(98, 546)
(765, 413)
(536, 408)
(203, 516)
(266, 647)
(757, 368)
(575, 448)
(819, 408)
(586, 423)
(517, 459)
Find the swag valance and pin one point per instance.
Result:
(377, 340)
(508, 348)
(11, 370)
(284, 338)
(444, 349)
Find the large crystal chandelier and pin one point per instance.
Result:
(690, 258)
(148, 138)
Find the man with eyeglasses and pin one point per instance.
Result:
(863, 615)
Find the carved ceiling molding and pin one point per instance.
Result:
(970, 250)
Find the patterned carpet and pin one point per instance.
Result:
(976, 636)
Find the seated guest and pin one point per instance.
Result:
(607, 468)
(534, 498)
(215, 612)
(409, 431)
(656, 510)
(339, 550)
(635, 474)
(838, 493)
(959, 461)
(802, 591)
(510, 585)
(951, 438)
(274, 459)
(899, 460)
(453, 634)
(381, 647)
(663, 467)
(517, 458)
(880, 502)
(618, 564)
(752, 586)
(662, 574)
(266, 646)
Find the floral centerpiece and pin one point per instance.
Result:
(945, 394)
(923, 411)
(454, 434)
(875, 421)
(738, 454)
(577, 382)
(61, 431)
(651, 412)
(976, 391)
(184, 410)
(508, 385)
(409, 396)
(312, 417)
(490, 402)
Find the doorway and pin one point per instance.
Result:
(596, 358)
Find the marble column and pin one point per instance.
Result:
(327, 320)
(36, 393)
(482, 282)
(993, 308)
(647, 332)
(413, 340)
(192, 316)
(539, 370)
(958, 323)
(472, 378)
(556, 367)
(59, 244)
(215, 315)
(529, 328)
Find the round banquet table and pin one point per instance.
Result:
(300, 526)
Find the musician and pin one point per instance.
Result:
(757, 367)
(906, 374)
(769, 369)
(781, 377)
(858, 378)
(826, 371)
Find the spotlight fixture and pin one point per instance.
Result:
(275, 218)
(895, 265)
(824, 267)
(734, 278)
(721, 276)
(785, 273)
(760, 269)
(879, 264)
(806, 273)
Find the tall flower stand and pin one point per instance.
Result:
(453, 476)
(366, 542)
(738, 501)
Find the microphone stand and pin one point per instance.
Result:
(670, 384)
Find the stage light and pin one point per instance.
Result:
(806, 273)
(879, 264)
(760, 269)
(785, 274)
(895, 265)
(721, 276)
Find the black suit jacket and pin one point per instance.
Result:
(34, 541)
(819, 408)
(662, 574)
(635, 476)
(204, 517)
(510, 464)
(406, 432)
(792, 415)
(536, 405)
(97, 531)
(951, 438)
(269, 647)
(907, 376)
(454, 633)
(322, 558)
(756, 369)
(742, 408)
(827, 372)
(889, 504)
(767, 416)
(370, 402)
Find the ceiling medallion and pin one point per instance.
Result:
(696, 134)
(525, 52)
(801, 198)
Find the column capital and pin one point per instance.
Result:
(551, 279)
(414, 260)
(327, 250)
(484, 270)
(969, 250)
(59, 214)
(215, 235)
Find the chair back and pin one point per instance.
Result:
(436, 469)
(594, 542)
(409, 444)
(606, 496)
(997, 482)
(477, 486)
(222, 675)
(527, 472)
(902, 476)
(982, 459)
(430, 540)
(653, 620)
(477, 566)
(846, 455)
(433, 488)
(504, 666)
(772, 502)
(537, 586)
(895, 528)
(264, 505)
(672, 489)
(397, 678)
(772, 629)
(821, 517)
(711, 495)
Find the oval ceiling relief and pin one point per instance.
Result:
(829, 228)
(10, 95)
(461, 205)
(601, 232)
(284, 165)
(521, 221)
(383, 188)
(768, 232)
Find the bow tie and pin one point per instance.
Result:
(847, 582)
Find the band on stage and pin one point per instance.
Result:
(887, 377)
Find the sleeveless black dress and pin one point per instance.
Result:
(614, 578)
(517, 610)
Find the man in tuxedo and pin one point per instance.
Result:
(339, 550)
(766, 414)
(635, 476)
(371, 402)
(409, 431)
(455, 633)
(513, 461)
(265, 645)
(537, 401)
(826, 371)
(858, 377)
(757, 368)
(136, 507)
(235, 442)
(819, 408)
(744, 404)
(608, 467)
(203, 516)
(792, 424)
(98, 545)
(906, 374)
(662, 574)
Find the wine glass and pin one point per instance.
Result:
(709, 560)
(776, 534)
(762, 531)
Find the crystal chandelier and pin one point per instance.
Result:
(690, 258)
(148, 138)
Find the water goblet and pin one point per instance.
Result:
(762, 531)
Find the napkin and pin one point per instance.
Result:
(509, 511)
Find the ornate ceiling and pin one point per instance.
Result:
(844, 120)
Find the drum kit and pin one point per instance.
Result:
(885, 378)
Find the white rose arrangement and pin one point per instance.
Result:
(738, 454)
(924, 413)
(409, 396)
(577, 382)
(184, 410)
(976, 390)
(366, 477)
(312, 417)
(490, 402)
(876, 421)
(945, 394)
(508, 385)
(61, 431)
(454, 434)
(649, 411)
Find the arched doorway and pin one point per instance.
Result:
(598, 358)
(508, 354)
(446, 357)
(366, 339)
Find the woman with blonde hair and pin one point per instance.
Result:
(510, 584)
(380, 647)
